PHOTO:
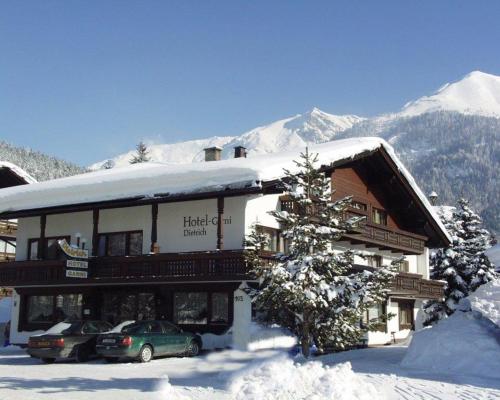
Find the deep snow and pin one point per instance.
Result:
(225, 375)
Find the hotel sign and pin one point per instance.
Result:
(80, 266)
(73, 252)
(77, 264)
(197, 225)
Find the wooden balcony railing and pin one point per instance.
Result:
(8, 228)
(203, 266)
(413, 285)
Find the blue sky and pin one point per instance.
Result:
(85, 80)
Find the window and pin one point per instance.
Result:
(191, 308)
(120, 244)
(121, 306)
(32, 249)
(272, 235)
(405, 314)
(68, 306)
(52, 249)
(219, 308)
(358, 206)
(379, 216)
(374, 261)
(375, 316)
(40, 309)
(404, 266)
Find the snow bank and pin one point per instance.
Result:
(465, 344)
(272, 337)
(486, 300)
(283, 379)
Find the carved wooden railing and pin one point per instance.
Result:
(414, 285)
(203, 266)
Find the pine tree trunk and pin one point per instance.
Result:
(305, 335)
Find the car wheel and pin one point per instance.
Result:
(48, 360)
(146, 353)
(82, 354)
(111, 359)
(193, 348)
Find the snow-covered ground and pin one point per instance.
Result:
(229, 374)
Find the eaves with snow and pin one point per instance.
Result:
(148, 180)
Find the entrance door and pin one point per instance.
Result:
(405, 314)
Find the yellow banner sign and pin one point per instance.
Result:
(73, 251)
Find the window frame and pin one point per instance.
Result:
(46, 247)
(127, 242)
(384, 216)
(274, 232)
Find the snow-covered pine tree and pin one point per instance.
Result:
(141, 155)
(313, 290)
(108, 164)
(464, 265)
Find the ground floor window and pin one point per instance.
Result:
(40, 309)
(220, 302)
(376, 317)
(118, 307)
(191, 308)
(53, 308)
(405, 311)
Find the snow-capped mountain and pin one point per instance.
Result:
(449, 140)
(477, 93)
(311, 127)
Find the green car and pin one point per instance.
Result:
(143, 340)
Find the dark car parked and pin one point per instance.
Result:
(143, 340)
(74, 339)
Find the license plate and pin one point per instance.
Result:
(42, 344)
(108, 340)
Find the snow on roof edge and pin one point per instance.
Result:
(18, 171)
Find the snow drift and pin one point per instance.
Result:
(466, 343)
(486, 300)
(283, 379)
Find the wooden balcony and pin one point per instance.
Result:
(8, 229)
(175, 267)
(378, 236)
(414, 286)
(370, 234)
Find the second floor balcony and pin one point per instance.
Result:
(172, 268)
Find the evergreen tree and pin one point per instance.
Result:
(313, 290)
(141, 155)
(108, 164)
(464, 265)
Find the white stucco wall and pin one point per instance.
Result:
(70, 224)
(257, 211)
(422, 262)
(17, 337)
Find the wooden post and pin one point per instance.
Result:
(95, 232)
(220, 223)
(41, 241)
(154, 228)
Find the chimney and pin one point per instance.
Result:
(213, 153)
(240, 151)
(433, 197)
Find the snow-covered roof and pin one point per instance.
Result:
(148, 179)
(21, 173)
